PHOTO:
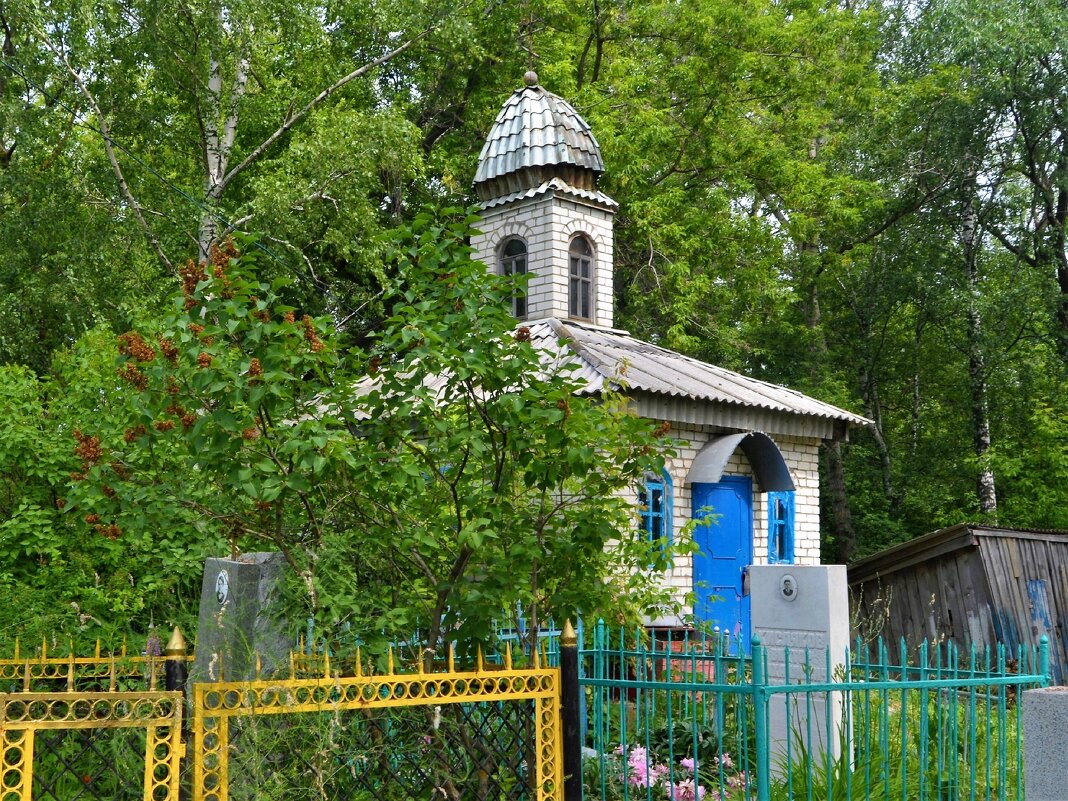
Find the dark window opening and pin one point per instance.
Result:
(514, 262)
(581, 284)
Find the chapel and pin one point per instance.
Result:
(750, 449)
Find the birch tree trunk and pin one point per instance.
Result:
(220, 130)
(970, 240)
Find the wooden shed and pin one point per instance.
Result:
(973, 584)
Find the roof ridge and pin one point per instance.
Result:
(563, 332)
(738, 389)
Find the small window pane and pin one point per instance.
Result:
(514, 262)
(581, 285)
(654, 508)
(781, 527)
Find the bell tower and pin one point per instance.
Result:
(542, 213)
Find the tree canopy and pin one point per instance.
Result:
(864, 201)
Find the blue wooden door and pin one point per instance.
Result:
(725, 537)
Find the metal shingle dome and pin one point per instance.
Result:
(537, 132)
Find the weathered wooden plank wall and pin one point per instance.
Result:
(975, 585)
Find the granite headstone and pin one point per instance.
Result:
(1045, 742)
(794, 608)
(239, 618)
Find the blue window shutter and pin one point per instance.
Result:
(781, 528)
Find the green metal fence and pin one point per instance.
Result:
(683, 719)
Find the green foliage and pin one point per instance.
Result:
(950, 746)
(446, 475)
(791, 180)
(1037, 470)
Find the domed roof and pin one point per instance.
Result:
(535, 129)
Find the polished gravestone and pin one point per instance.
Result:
(239, 618)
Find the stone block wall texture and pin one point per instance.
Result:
(1045, 743)
(547, 224)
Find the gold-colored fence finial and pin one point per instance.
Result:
(568, 637)
(176, 645)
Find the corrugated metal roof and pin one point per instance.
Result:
(559, 186)
(612, 359)
(536, 128)
(605, 358)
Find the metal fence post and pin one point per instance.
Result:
(569, 713)
(175, 669)
(760, 711)
(1043, 659)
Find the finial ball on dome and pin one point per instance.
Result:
(530, 78)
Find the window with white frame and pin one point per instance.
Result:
(514, 262)
(581, 278)
(781, 528)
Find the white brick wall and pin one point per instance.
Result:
(802, 458)
(548, 224)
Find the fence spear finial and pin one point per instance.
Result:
(568, 636)
(176, 645)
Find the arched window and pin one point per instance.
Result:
(781, 528)
(654, 507)
(514, 262)
(581, 303)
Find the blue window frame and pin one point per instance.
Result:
(781, 528)
(654, 506)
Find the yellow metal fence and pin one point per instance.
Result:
(294, 736)
(217, 705)
(26, 717)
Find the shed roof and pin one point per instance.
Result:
(612, 359)
(537, 128)
(938, 543)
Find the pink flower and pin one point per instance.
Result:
(687, 790)
(737, 781)
(688, 762)
(640, 772)
(726, 761)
